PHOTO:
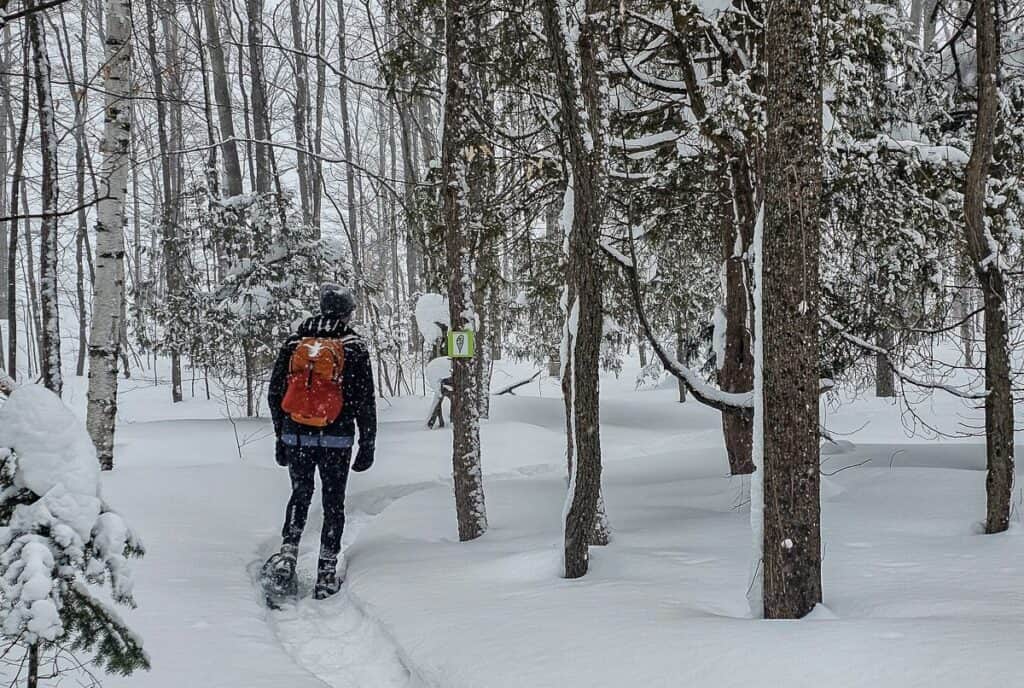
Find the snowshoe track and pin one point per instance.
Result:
(333, 639)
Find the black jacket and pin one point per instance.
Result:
(357, 384)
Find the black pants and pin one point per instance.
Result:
(303, 463)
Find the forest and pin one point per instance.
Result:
(676, 311)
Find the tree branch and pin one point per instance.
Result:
(899, 372)
(726, 402)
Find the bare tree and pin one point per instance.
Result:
(985, 255)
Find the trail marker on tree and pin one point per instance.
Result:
(461, 344)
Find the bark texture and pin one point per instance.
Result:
(222, 95)
(791, 547)
(460, 146)
(17, 182)
(985, 254)
(168, 206)
(109, 289)
(49, 339)
(737, 372)
(578, 46)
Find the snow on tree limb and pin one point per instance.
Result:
(899, 372)
(727, 402)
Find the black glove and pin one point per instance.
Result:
(281, 453)
(364, 458)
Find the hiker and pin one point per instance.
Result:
(320, 391)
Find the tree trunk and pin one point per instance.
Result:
(108, 290)
(962, 311)
(222, 94)
(82, 235)
(578, 46)
(5, 163)
(351, 227)
(791, 545)
(681, 357)
(737, 373)
(300, 111)
(258, 95)
(172, 262)
(17, 182)
(316, 164)
(988, 266)
(49, 355)
(33, 666)
(461, 132)
(885, 378)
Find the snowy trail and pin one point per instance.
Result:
(334, 639)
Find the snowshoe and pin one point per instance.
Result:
(278, 579)
(328, 582)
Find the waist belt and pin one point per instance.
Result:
(329, 441)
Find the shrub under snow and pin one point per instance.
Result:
(59, 542)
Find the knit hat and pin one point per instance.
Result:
(337, 301)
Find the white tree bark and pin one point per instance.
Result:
(108, 290)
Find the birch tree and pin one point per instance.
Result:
(108, 288)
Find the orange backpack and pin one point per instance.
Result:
(313, 396)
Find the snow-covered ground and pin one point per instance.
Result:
(913, 594)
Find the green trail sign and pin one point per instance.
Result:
(461, 344)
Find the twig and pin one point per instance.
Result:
(510, 389)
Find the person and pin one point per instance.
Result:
(325, 446)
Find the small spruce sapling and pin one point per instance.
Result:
(59, 545)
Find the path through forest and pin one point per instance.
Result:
(334, 639)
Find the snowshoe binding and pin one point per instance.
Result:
(278, 579)
(328, 582)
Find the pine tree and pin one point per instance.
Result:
(462, 143)
(791, 546)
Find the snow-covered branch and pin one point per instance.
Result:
(898, 371)
(727, 402)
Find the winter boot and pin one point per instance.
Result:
(279, 572)
(328, 582)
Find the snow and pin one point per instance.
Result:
(437, 371)
(52, 445)
(936, 155)
(719, 323)
(61, 535)
(432, 309)
(913, 595)
(755, 593)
